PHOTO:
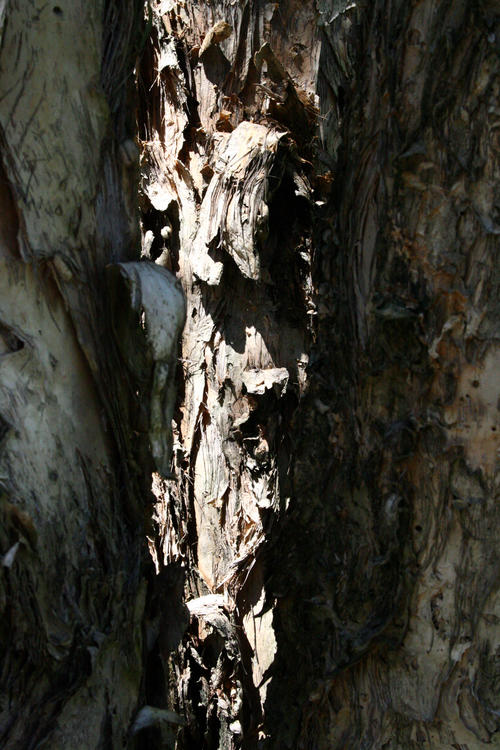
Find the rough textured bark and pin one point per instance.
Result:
(323, 178)
(86, 360)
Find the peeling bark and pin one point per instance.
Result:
(330, 174)
(322, 179)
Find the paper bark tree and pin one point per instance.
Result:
(322, 178)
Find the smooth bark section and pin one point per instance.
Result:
(75, 419)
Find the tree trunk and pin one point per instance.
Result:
(322, 177)
(82, 383)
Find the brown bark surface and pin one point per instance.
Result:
(323, 178)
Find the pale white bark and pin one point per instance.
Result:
(72, 497)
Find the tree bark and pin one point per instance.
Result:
(84, 389)
(323, 178)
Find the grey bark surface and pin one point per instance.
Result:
(323, 178)
(79, 397)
